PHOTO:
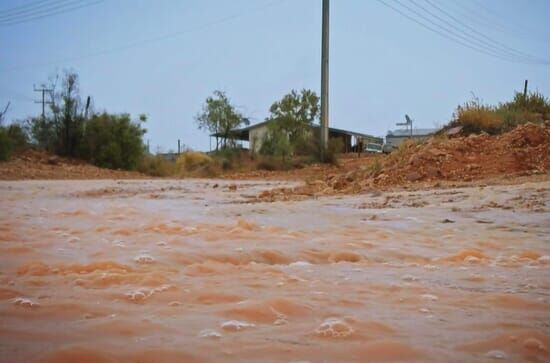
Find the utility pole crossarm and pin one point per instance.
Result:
(43, 90)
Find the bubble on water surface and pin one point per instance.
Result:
(472, 260)
(73, 239)
(26, 302)
(334, 328)
(429, 297)
(144, 293)
(144, 258)
(118, 243)
(409, 278)
(236, 325)
(431, 267)
(496, 354)
(209, 333)
(299, 264)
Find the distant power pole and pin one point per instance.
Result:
(324, 79)
(525, 89)
(43, 102)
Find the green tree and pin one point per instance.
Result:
(276, 143)
(113, 141)
(295, 113)
(219, 117)
(61, 130)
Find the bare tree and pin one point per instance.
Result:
(3, 113)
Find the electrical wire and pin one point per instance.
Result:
(29, 9)
(143, 42)
(478, 36)
(60, 9)
(450, 35)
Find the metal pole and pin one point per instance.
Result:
(324, 79)
(525, 90)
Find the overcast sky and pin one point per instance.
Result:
(164, 57)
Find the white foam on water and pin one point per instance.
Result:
(334, 328)
(209, 333)
(496, 354)
(472, 260)
(144, 258)
(26, 302)
(144, 293)
(409, 278)
(118, 243)
(236, 325)
(299, 264)
(429, 297)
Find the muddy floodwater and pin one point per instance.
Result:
(197, 271)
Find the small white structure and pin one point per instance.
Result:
(396, 137)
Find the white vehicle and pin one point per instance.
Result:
(373, 148)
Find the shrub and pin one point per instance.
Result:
(12, 138)
(194, 163)
(334, 147)
(6, 144)
(476, 117)
(18, 135)
(271, 163)
(192, 160)
(375, 168)
(113, 141)
(276, 143)
(157, 166)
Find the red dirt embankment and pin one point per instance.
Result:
(521, 152)
(32, 164)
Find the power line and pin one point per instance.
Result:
(142, 42)
(479, 18)
(466, 38)
(25, 6)
(479, 37)
(23, 10)
(50, 12)
(450, 35)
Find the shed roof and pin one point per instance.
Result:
(242, 133)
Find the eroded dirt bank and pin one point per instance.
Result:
(182, 271)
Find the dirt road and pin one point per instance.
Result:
(191, 271)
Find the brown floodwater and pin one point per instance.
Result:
(195, 271)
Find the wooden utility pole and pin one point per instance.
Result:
(525, 89)
(324, 79)
(43, 102)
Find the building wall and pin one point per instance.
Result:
(255, 137)
(395, 141)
